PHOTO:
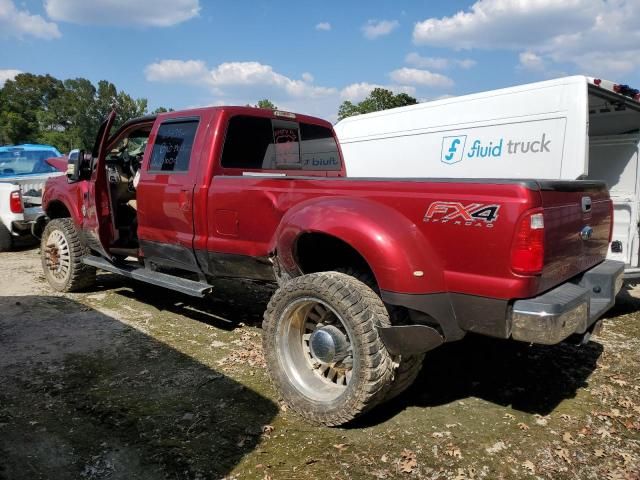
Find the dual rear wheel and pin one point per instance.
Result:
(323, 349)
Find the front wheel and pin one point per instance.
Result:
(61, 251)
(322, 347)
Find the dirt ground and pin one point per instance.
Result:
(128, 381)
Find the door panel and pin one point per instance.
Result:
(623, 212)
(97, 224)
(165, 192)
(614, 159)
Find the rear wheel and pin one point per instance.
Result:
(322, 347)
(408, 366)
(6, 242)
(61, 251)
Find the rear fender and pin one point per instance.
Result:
(399, 255)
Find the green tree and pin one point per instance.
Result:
(66, 114)
(22, 99)
(162, 110)
(266, 103)
(378, 99)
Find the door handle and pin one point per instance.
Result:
(184, 201)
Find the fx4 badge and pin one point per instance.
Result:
(474, 214)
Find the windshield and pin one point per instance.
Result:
(24, 162)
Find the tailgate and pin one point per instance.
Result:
(577, 219)
(30, 186)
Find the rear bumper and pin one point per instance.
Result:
(30, 217)
(571, 308)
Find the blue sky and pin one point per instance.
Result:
(310, 56)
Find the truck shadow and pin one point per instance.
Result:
(85, 395)
(533, 379)
(626, 301)
(232, 303)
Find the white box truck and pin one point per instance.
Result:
(569, 128)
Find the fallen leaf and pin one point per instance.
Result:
(267, 429)
(341, 446)
(599, 453)
(540, 420)
(384, 458)
(529, 466)
(453, 451)
(509, 416)
(408, 461)
(566, 437)
(563, 454)
(523, 426)
(496, 447)
(626, 458)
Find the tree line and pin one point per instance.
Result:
(62, 113)
(68, 113)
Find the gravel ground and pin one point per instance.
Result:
(128, 381)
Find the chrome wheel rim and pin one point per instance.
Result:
(57, 255)
(316, 373)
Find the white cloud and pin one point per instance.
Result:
(323, 26)
(255, 73)
(179, 71)
(357, 92)
(379, 28)
(8, 74)
(531, 61)
(466, 63)
(506, 23)
(597, 36)
(231, 76)
(153, 13)
(437, 63)
(414, 76)
(21, 23)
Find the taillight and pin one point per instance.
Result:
(527, 250)
(15, 202)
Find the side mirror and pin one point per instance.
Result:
(78, 167)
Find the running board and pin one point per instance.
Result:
(195, 289)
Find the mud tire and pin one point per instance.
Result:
(62, 234)
(407, 366)
(361, 311)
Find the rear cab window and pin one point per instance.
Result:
(256, 143)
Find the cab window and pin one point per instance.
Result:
(173, 145)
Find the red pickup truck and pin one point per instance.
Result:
(372, 273)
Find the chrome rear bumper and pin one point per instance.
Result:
(570, 308)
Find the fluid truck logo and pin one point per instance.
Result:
(453, 148)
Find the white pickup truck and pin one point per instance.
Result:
(24, 169)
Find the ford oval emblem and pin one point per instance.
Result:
(586, 233)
